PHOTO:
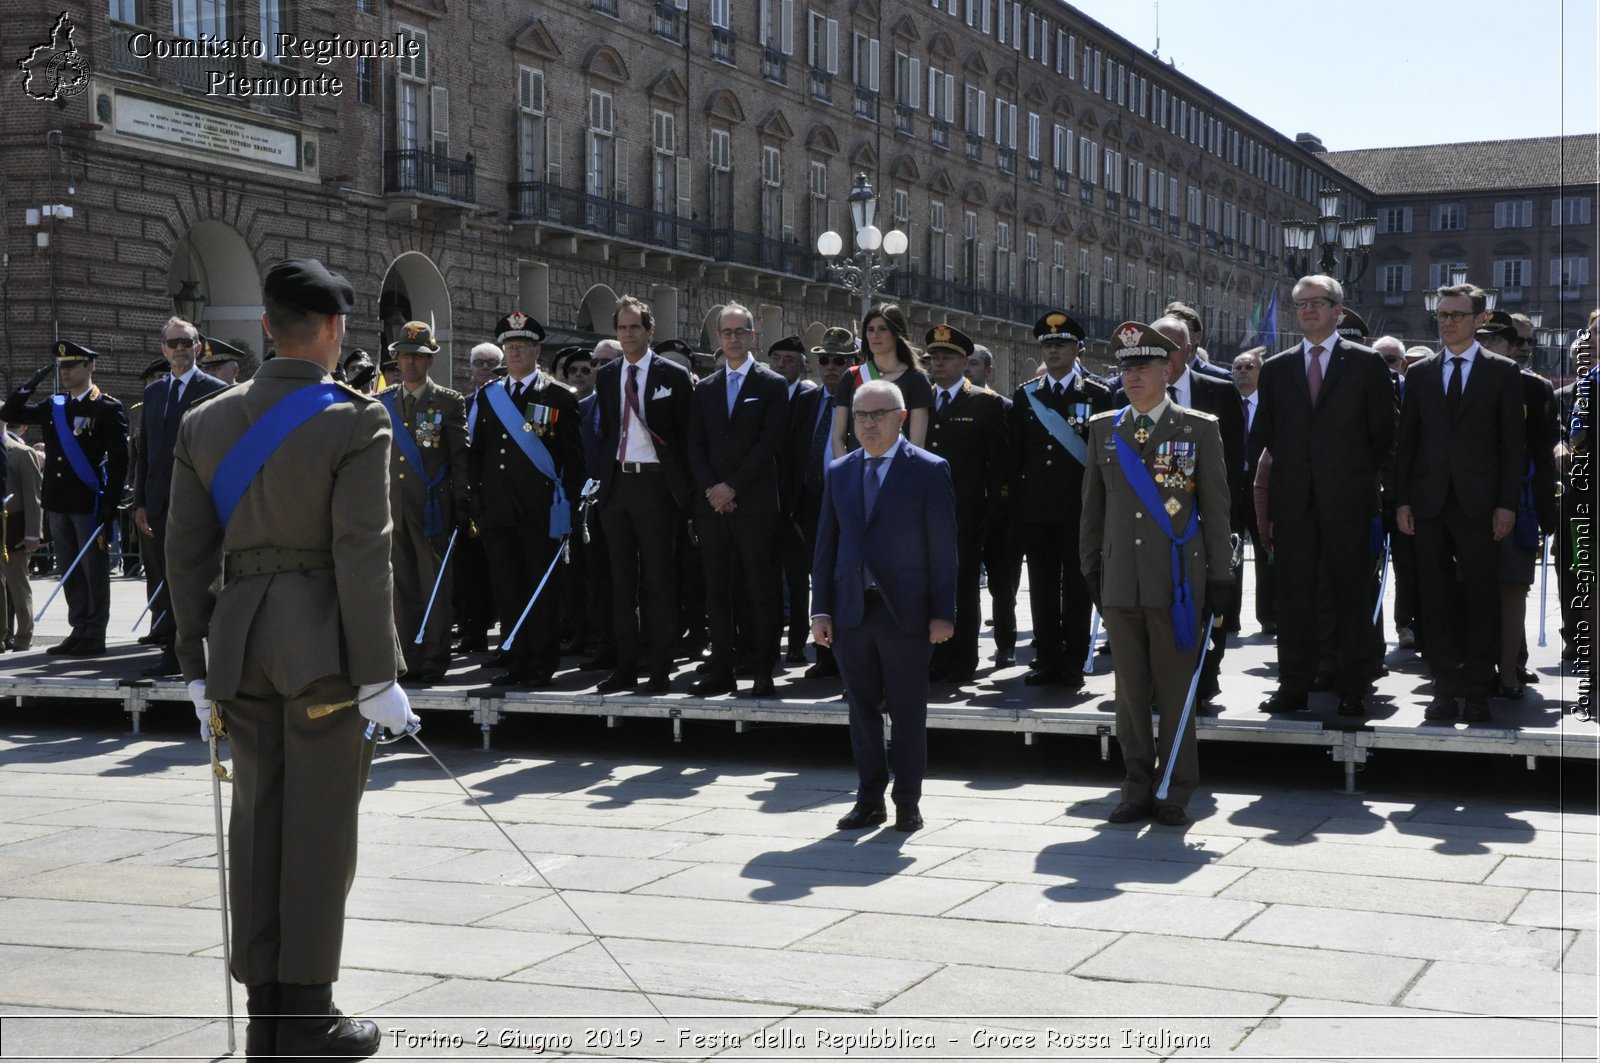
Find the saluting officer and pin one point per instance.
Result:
(86, 466)
(1154, 545)
(526, 469)
(968, 429)
(1049, 422)
(427, 490)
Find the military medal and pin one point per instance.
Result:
(1172, 507)
(1078, 414)
(1141, 436)
(541, 419)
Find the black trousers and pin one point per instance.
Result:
(885, 668)
(641, 521)
(1319, 559)
(1057, 592)
(959, 654)
(473, 590)
(519, 558)
(88, 589)
(1457, 572)
(741, 589)
(807, 513)
(1003, 563)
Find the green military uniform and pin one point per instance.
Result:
(1124, 549)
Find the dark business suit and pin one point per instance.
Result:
(473, 590)
(642, 507)
(793, 552)
(970, 433)
(907, 546)
(1217, 396)
(1266, 611)
(1327, 460)
(810, 420)
(1454, 471)
(739, 448)
(1002, 563)
(152, 478)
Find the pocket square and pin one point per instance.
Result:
(752, 398)
(661, 392)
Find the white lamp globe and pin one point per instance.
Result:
(829, 244)
(894, 242)
(869, 239)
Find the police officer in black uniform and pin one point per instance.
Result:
(86, 465)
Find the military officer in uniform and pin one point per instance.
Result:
(427, 489)
(526, 471)
(1049, 420)
(278, 561)
(1155, 501)
(221, 360)
(86, 466)
(24, 531)
(968, 429)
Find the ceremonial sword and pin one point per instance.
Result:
(68, 573)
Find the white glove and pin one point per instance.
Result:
(202, 707)
(386, 705)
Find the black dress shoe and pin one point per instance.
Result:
(167, 665)
(1281, 704)
(1127, 812)
(88, 647)
(512, 677)
(1321, 682)
(1505, 693)
(152, 639)
(658, 683)
(1038, 677)
(1352, 705)
(1208, 691)
(822, 671)
(1171, 816)
(600, 662)
(763, 687)
(312, 1027)
(65, 646)
(503, 659)
(713, 684)
(907, 818)
(617, 682)
(1004, 658)
(1476, 710)
(1442, 707)
(960, 677)
(475, 643)
(795, 655)
(863, 816)
(1527, 675)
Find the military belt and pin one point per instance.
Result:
(271, 560)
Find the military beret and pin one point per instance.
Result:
(566, 355)
(518, 326)
(1499, 324)
(355, 356)
(1057, 327)
(792, 344)
(947, 338)
(1137, 342)
(68, 352)
(1352, 326)
(837, 340)
(218, 351)
(155, 368)
(307, 284)
(416, 337)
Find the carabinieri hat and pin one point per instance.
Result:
(1137, 342)
(416, 337)
(1351, 326)
(518, 326)
(1499, 324)
(1057, 327)
(69, 353)
(947, 338)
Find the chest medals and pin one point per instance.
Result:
(540, 419)
(1173, 467)
(1078, 414)
(430, 428)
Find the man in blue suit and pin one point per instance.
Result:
(883, 594)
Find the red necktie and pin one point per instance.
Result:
(631, 394)
(1314, 373)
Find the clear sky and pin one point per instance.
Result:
(1382, 73)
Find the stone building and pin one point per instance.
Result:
(455, 160)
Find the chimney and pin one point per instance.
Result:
(1309, 141)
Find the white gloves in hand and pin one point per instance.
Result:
(202, 707)
(386, 705)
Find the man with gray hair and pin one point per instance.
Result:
(473, 595)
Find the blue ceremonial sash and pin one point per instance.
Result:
(432, 508)
(516, 426)
(1144, 486)
(1057, 426)
(82, 467)
(250, 452)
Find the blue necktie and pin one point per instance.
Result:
(872, 481)
(733, 389)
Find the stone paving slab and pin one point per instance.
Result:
(1552, 908)
(1472, 813)
(1581, 957)
(1382, 861)
(58, 1034)
(1152, 913)
(712, 794)
(138, 928)
(120, 883)
(1092, 872)
(883, 852)
(1253, 968)
(560, 870)
(1458, 839)
(73, 844)
(1236, 823)
(1577, 876)
(771, 926)
(147, 982)
(1131, 840)
(447, 903)
(1310, 1027)
(969, 942)
(1423, 937)
(171, 817)
(1487, 988)
(410, 947)
(563, 812)
(1404, 896)
(844, 890)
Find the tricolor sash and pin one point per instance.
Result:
(250, 452)
(518, 428)
(432, 507)
(1057, 426)
(82, 467)
(1144, 486)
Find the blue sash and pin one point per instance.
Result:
(432, 508)
(82, 467)
(1144, 486)
(250, 451)
(516, 426)
(1057, 426)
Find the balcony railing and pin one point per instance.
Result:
(1006, 159)
(904, 114)
(722, 41)
(1113, 202)
(939, 133)
(866, 103)
(1086, 190)
(122, 57)
(821, 85)
(1194, 233)
(668, 18)
(975, 146)
(418, 172)
(775, 66)
(1035, 171)
(1063, 183)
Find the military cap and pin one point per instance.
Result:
(68, 353)
(1136, 342)
(947, 338)
(675, 351)
(416, 337)
(792, 344)
(837, 340)
(1057, 327)
(1352, 326)
(355, 356)
(155, 368)
(307, 284)
(518, 326)
(219, 351)
(567, 354)
(1499, 324)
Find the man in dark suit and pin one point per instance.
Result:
(968, 429)
(810, 421)
(474, 589)
(885, 595)
(1328, 417)
(787, 358)
(644, 490)
(165, 402)
(1197, 360)
(1049, 420)
(1002, 564)
(1246, 380)
(1458, 475)
(739, 416)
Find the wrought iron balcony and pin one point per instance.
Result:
(821, 85)
(775, 66)
(939, 133)
(1006, 159)
(722, 41)
(866, 103)
(423, 173)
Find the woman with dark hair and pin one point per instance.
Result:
(888, 355)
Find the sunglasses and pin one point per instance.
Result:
(173, 345)
(584, 369)
(834, 359)
(485, 365)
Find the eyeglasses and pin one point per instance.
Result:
(874, 416)
(735, 333)
(1449, 316)
(1246, 368)
(173, 345)
(485, 365)
(1312, 304)
(834, 359)
(1524, 341)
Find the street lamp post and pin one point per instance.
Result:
(866, 272)
(1340, 248)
